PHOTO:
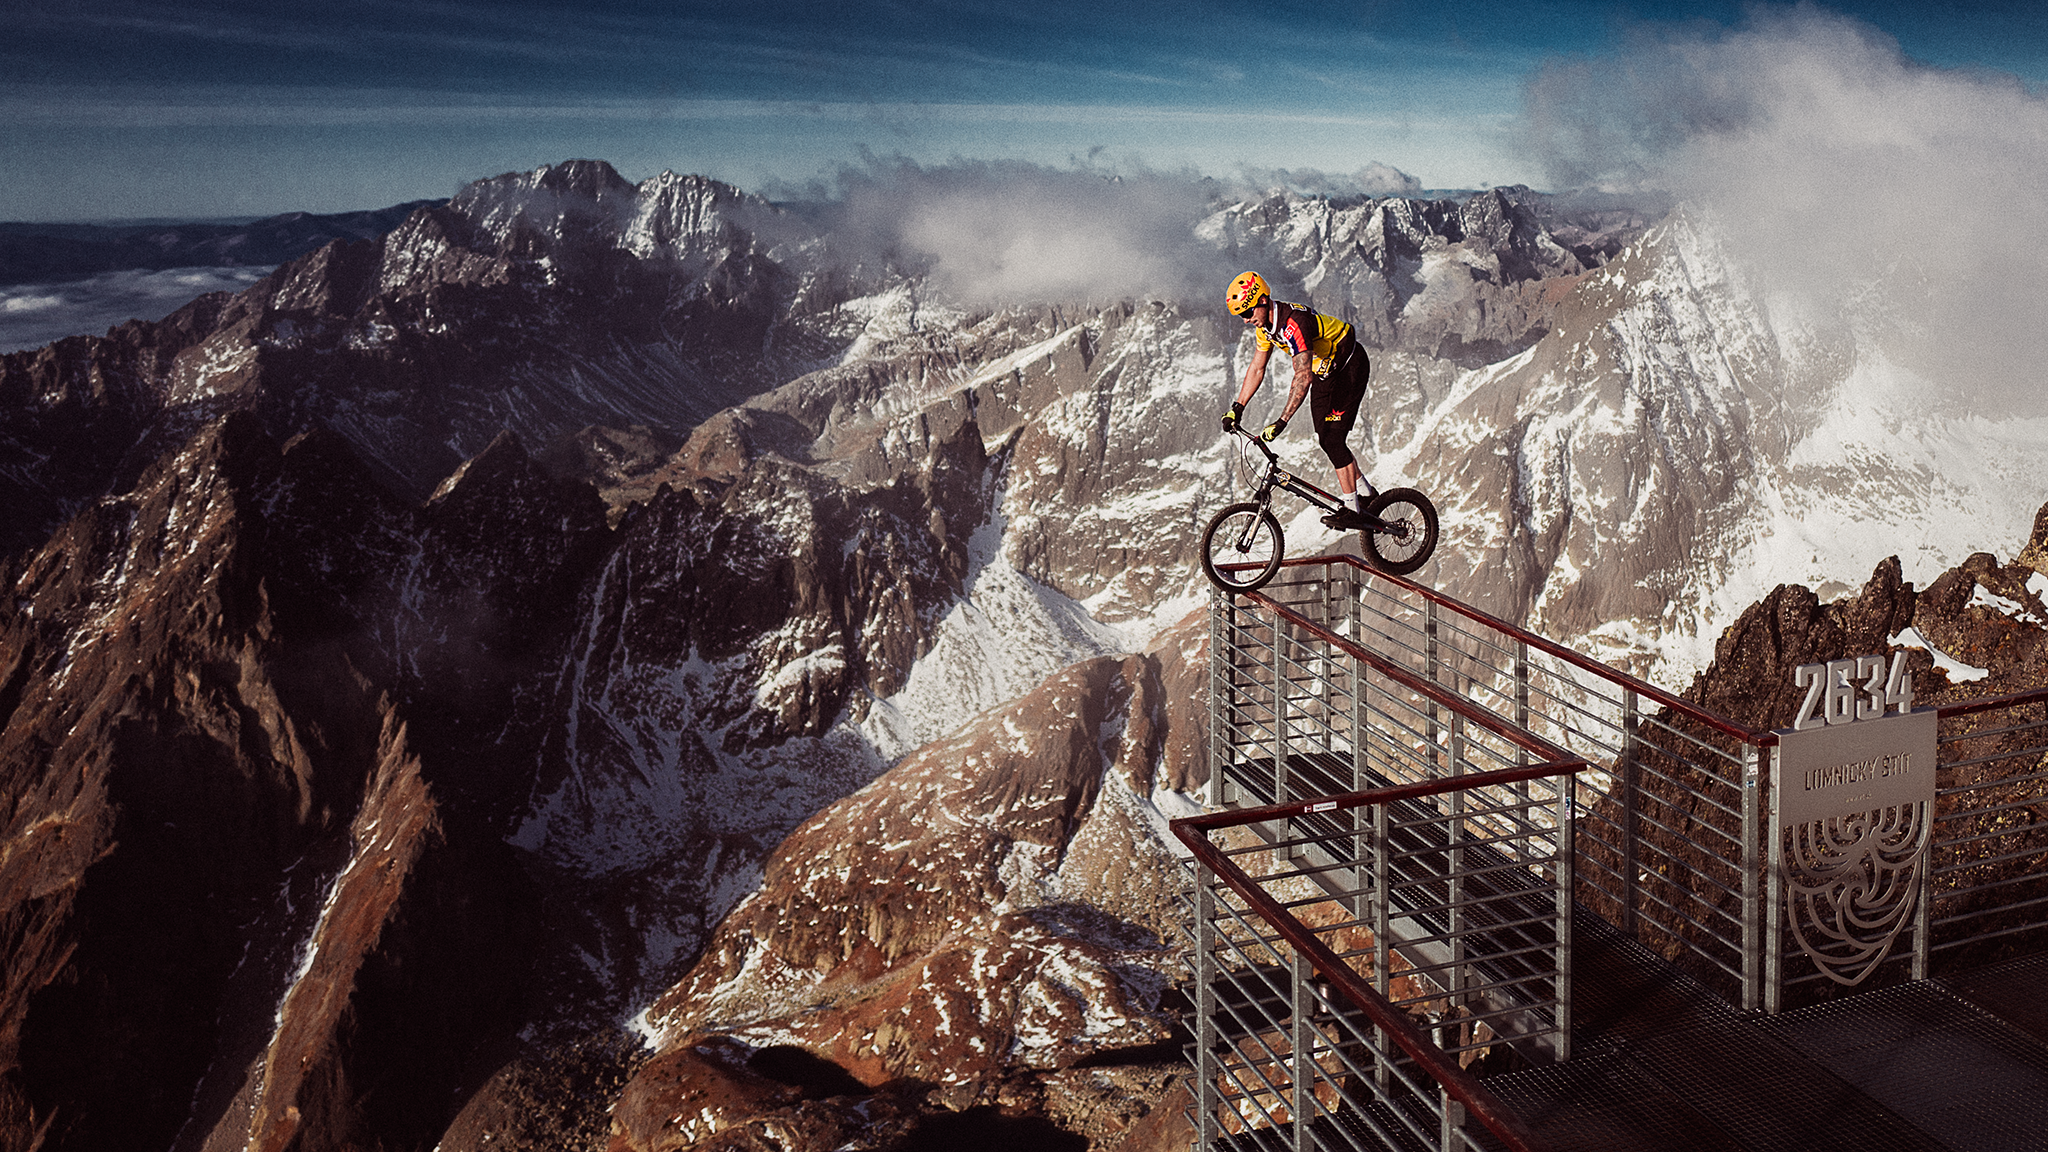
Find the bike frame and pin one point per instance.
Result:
(1278, 477)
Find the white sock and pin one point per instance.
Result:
(1351, 501)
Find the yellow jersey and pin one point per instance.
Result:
(1295, 328)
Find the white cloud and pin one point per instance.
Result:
(1008, 231)
(995, 232)
(1855, 186)
(18, 305)
(32, 315)
(1375, 179)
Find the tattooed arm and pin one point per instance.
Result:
(1304, 375)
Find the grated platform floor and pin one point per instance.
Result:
(1662, 1064)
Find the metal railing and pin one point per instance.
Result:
(1336, 679)
(1988, 879)
(1412, 854)
(1669, 819)
(1314, 1028)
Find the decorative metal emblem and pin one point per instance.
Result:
(1852, 883)
(1854, 801)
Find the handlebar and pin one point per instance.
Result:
(1257, 442)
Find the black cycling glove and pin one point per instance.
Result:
(1230, 418)
(1274, 430)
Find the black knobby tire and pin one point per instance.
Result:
(1246, 538)
(1410, 536)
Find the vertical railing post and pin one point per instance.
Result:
(1774, 905)
(1303, 1045)
(1922, 946)
(1361, 711)
(1326, 663)
(1220, 701)
(1451, 1135)
(1209, 1097)
(1521, 673)
(1279, 712)
(1753, 912)
(1567, 878)
(1382, 933)
(1429, 663)
(1631, 797)
(1521, 696)
(1360, 743)
(1454, 886)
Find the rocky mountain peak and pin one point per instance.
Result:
(545, 199)
(1751, 675)
(335, 281)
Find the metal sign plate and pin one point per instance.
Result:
(1855, 809)
(1830, 772)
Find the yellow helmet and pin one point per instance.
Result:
(1247, 292)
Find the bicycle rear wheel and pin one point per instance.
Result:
(1409, 535)
(1242, 547)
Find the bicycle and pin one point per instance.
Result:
(1242, 547)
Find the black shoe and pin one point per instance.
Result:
(1344, 520)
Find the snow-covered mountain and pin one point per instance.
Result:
(597, 605)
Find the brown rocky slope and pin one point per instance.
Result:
(984, 936)
(253, 887)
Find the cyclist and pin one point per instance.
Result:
(1330, 371)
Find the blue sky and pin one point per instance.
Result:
(113, 109)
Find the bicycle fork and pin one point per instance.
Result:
(1264, 499)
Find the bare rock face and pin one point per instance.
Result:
(1751, 677)
(2035, 554)
(205, 762)
(258, 894)
(554, 1096)
(1991, 616)
(75, 409)
(987, 926)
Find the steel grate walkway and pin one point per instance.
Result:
(1663, 1064)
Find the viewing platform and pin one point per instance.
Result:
(1461, 887)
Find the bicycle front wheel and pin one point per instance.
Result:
(1408, 535)
(1242, 548)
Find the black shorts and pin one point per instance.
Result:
(1334, 399)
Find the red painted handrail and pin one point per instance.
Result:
(1392, 794)
(1991, 703)
(1642, 688)
(1437, 693)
